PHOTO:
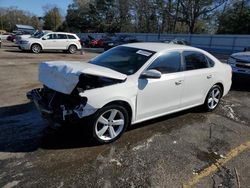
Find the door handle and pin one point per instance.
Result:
(209, 76)
(179, 82)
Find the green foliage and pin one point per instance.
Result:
(236, 19)
(9, 17)
(92, 16)
(52, 19)
(140, 15)
(162, 16)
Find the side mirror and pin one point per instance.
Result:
(152, 73)
(43, 38)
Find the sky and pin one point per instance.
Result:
(35, 6)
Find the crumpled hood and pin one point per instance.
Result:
(63, 76)
(244, 56)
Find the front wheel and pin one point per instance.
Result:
(36, 48)
(109, 123)
(213, 98)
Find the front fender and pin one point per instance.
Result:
(99, 97)
(36, 43)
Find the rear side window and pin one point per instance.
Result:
(61, 36)
(71, 37)
(195, 60)
(167, 63)
(210, 62)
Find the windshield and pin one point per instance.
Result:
(125, 60)
(37, 34)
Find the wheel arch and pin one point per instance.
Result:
(218, 84)
(221, 86)
(71, 45)
(125, 104)
(36, 43)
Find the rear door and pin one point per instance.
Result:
(199, 76)
(61, 42)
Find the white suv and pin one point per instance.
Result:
(52, 41)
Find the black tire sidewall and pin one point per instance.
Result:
(100, 112)
(71, 47)
(36, 45)
(206, 101)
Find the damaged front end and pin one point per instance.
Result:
(58, 107)
(60, 100)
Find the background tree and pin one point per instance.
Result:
(52, 17)
(235, 19)
(9, 17)
(194, 10)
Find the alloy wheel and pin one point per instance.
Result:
(72, 49)
(214, 98)
(36, 48)
(109, 125)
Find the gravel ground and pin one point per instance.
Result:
(177, 150)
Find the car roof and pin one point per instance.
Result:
(157, 46)
(51, 32)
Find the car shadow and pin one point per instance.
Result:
(23, 130)
(43, 52)
(240, 82)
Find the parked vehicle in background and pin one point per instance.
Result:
(4, 36)
(247, 49)
(96, 43)
(22, 35)
(12, 37)
(24, 28)
(118, 40)
(129, 84)
(25, 35)
(240, 62)
(177, 41)
(51, 41)
(86, 40)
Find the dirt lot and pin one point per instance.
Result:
(187, 149)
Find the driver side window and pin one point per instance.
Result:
(51, 36)
(167, 63)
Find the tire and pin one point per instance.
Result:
(104, 129)
(213, 98)
(36, 48)
(72, 49)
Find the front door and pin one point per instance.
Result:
(158, 96)
(50, 42)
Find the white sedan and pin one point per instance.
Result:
(129, 84)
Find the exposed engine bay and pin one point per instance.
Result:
(60, 107)
(87, 82)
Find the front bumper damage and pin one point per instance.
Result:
(58, 107)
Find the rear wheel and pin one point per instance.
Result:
(213, 98)
(72, 49)
(36, 48)
(109, 123)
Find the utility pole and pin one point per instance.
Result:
(1, 20)
(54, 18)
